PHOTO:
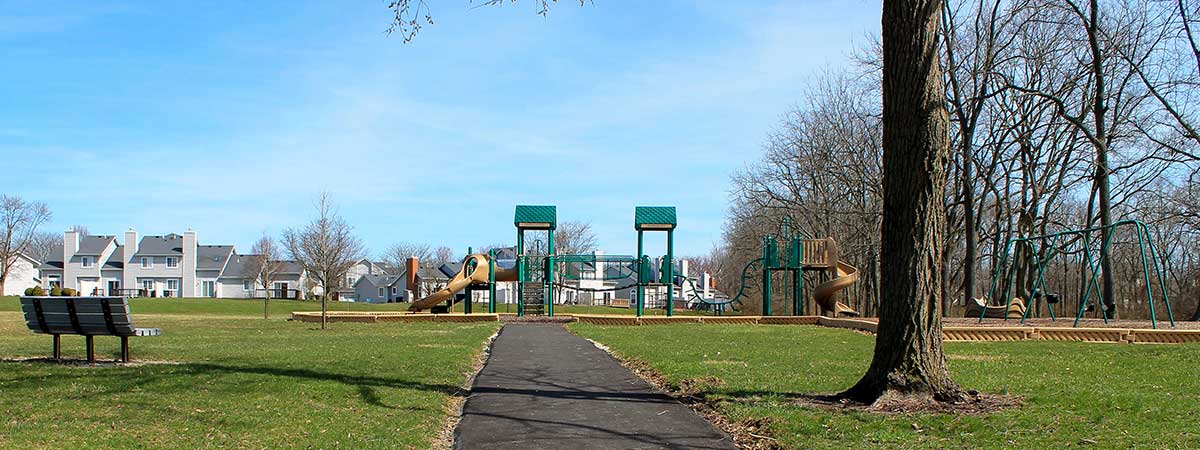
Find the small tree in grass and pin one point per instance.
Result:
(326, 248)
(264, 267)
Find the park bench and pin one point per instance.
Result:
(84, 316)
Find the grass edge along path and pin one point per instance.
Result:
(1077, 394)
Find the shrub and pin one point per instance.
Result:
(35, 291)
(56, 291)
(68, 292)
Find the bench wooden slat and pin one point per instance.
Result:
(83, 317)
(88, 305)
(60, 319)
(92, 329)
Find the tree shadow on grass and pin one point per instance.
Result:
(115, 382)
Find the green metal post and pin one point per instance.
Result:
(520, 272)
(1162, 275)
(671, 273)
(767, 263)
(641, 294)
(995, 279)
(1146, 275)
(550, 273)
(798, 281)
(492, 282)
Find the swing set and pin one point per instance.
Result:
(1041, 252)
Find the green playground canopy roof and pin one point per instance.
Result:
(654, 218)
(537, 217)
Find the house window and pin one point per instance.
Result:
(349, 280)
(172, 262)
(148, 285)
(146, 263)
(86, 261)
(393, 290)
(172, 285)
(381, 292)
(246, 285)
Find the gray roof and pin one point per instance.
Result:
(380, 280)
(54, 261)
(241, 266)
(450, 269)
(430, 273)
(212, 257)
(115, 260)
(169, 245)
(93, 245)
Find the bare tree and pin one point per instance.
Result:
(20, 220)
(397, 254)
(574, 237)
(326, 248)
(444, 254)
(909, 360)
(264, 265)
(42, 245)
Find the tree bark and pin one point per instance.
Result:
(908, 356)
(1099, 114)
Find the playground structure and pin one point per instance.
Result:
(1079, 247)
(800, 255)
(539, 271)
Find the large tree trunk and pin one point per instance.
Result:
(1099, 111)
(908, 348)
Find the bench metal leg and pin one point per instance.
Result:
(91, 350)
(57, 348)
(124, 349)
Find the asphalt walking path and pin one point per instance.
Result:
(545, 388)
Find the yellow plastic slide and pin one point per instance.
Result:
(824, 293)
(462, 279)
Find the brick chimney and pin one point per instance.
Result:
(410, 274)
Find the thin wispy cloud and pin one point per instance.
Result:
(229, 121)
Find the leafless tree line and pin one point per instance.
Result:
(1065, 114)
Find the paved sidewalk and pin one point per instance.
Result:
(545, 388)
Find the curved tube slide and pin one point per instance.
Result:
(845, 276)
(460, 281)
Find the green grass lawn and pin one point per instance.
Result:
(236, 381)
(1077, 394)
(228, 306)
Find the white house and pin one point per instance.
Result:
(171, 265)
(21, 276)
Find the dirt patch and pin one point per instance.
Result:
(892, 403)
(694, 386)
(976, 357)
(85, 363)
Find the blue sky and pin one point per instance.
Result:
(229, 118)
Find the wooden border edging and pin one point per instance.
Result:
(950, 334)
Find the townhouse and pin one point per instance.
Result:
(21, 276)
(171, 265)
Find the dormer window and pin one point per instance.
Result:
(86, 261)
(172, 262)
(146, 263)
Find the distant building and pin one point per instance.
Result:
(21, 276)
(171, 265)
